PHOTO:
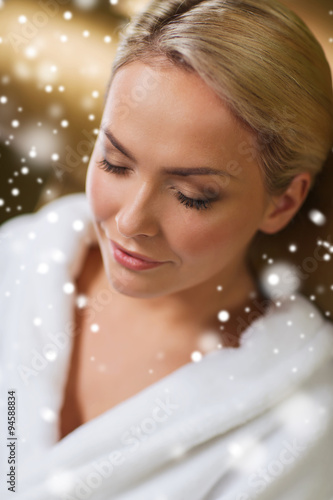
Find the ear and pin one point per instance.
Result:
(282, 208)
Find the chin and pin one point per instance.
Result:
(125, 283)
(132, 286)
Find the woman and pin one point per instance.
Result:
(217, 120)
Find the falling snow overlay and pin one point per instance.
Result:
(48, 119)
(249, 424)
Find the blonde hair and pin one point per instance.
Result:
(261, 59)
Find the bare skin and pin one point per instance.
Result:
(180, 123)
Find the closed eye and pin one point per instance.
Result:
(108, 167)
(198, 204)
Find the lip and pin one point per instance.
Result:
(130, 261)
(135, 254)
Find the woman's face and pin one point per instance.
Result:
(158, 125)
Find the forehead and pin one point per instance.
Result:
(167, 93)
(175, 111)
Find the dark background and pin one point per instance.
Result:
(54, 68)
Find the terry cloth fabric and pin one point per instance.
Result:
(254, 422)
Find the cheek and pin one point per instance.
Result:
(99, 193)
(225, 236)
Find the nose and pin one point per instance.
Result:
(138, 213)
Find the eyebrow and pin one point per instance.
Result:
(183, 172)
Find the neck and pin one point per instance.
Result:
(199, 305)
(197, 308)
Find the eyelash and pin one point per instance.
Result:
(188, 202)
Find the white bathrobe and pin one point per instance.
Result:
(254, 422)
